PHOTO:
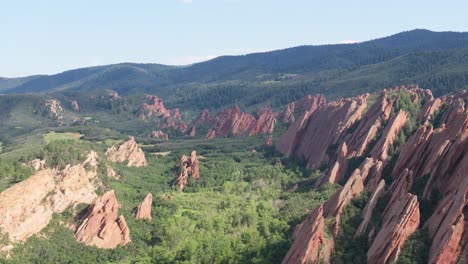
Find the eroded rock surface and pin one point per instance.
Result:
(129, 152)
(27, 207)
(101, 226)
(187, 166)
(143, 210)
(159, 135)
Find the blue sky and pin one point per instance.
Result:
(45, 37)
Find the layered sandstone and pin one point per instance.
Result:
(143, 210)
(381, 148)
(129, 152)
(101, 226)
(310, 139)
(153, 106)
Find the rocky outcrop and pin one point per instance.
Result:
(187, 166)
(428, 110)
(129, 152)
(37, 164)
(192, 132)
(367, 211)
(111, 173)
(381, 148)
(203, 119)
(337, 170)
(210, 135)
(369, 125)
(308, 103)
(92, 159)
(27, 207)
(75, 106)
(153, 106)
(53, 109)
(311, 137)
(399, 221)
(159, 135)
(175, 113)
(234, 122)
(101, 227)
(310, 244)
(143, 210)
(335, 205)
(268, 141)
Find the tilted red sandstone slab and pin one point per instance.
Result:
(143, 210)
(101, 227)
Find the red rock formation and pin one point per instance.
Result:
(310, 244)
(154, 106)
(268, 141)
(193, 132)
(159, 135)
(187, 166)
(175, 113)
(129, 151)
(335, 205)
(287, 116)
(396, 123)
(75, 106)
(53, 109)
(337, 170)
(265, 123)
(369, 126)
(290, 139)
(210, 135)
(232, 122)
(367, 211)
(321, 130)
(101, 227)
(400, 220)
(308, 103)
(428, 110)
(143, 210)
(203, 119)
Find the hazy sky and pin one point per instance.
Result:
(50, 36)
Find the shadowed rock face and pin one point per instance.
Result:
(434, 158)
(143, 210)
(129, 151)
(101, 227)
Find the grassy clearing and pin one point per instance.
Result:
(53, 136)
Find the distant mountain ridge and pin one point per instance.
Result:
(436, 60)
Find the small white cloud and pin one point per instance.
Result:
(190, 59)
(348, 42)
(186, 1)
